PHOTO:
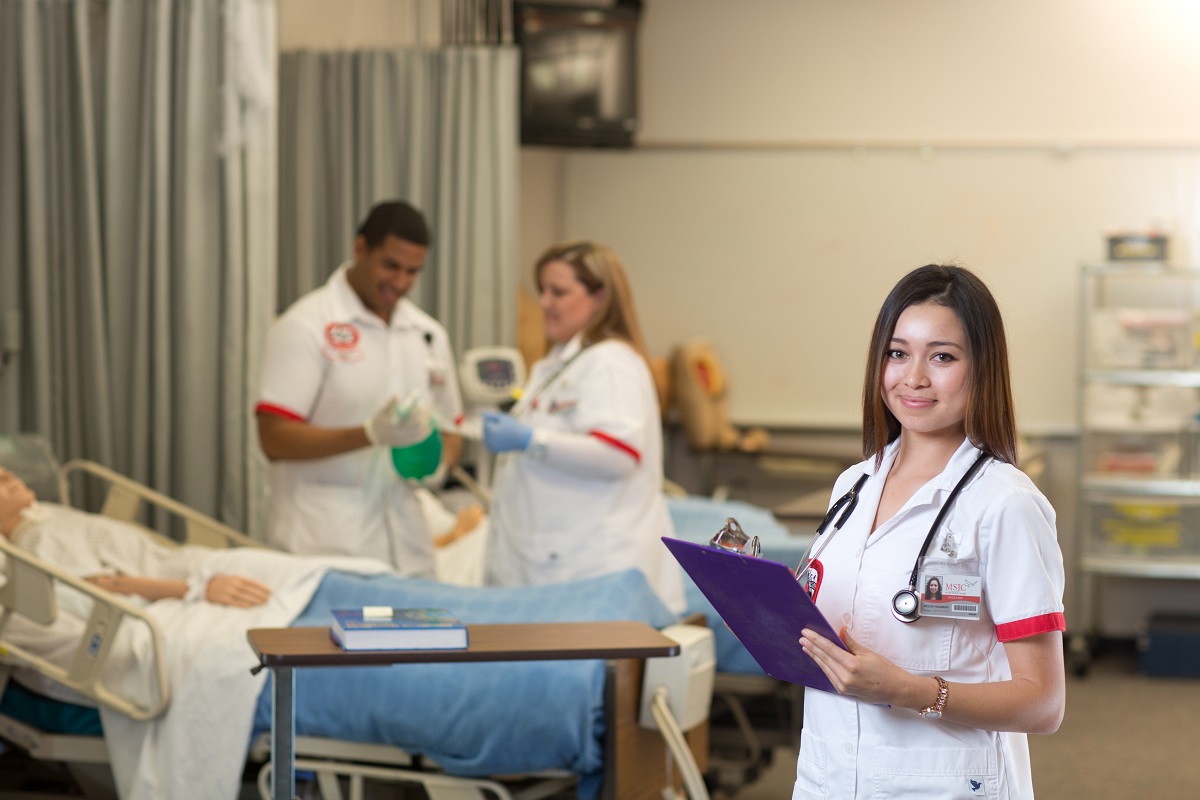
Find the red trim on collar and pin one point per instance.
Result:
(1022, 628)
(277, 411)
(617, 443)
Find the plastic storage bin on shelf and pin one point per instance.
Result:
(1141, 527)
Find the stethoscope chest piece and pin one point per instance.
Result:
(906, 606)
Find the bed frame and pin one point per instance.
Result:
(635, 756)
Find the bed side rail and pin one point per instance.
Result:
(125, 498)
(29, 592)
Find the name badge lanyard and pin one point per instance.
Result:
(524, 405)
(906, 606)
(905, 603)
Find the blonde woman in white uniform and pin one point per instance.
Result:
(935, 695)
(578, 492)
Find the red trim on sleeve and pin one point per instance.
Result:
(460, 419)
(1031, 627)
(277, 411)
(617, 443)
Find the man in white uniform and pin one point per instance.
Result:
(336, 364)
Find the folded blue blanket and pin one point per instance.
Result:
(472, 719)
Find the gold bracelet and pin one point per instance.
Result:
(935, 710)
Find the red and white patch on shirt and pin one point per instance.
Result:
(341, 342)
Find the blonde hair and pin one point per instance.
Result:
(599, 269)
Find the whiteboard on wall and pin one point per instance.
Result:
(782, 257)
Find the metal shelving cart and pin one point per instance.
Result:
(1139, 412)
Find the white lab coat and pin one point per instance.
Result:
(857, 750)
(331, 362)
(551, 525)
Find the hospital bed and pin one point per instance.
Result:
(633, 755)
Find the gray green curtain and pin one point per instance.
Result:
(138, 234)
(438, 128)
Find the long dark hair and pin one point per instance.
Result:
(990, 420)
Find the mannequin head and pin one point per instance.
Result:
(15, 497)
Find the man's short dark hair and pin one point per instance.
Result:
(394, 218)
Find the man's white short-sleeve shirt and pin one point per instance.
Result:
(331, 362)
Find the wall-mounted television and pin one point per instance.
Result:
(578, 72)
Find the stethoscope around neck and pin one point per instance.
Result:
(906, 604)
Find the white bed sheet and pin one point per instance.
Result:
(197, 748)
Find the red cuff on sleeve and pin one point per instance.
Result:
(617, 443)
(1022, 628)
(277, 411)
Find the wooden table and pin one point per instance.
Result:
(282, 650)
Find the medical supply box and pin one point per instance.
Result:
(1148, 246)
(1169, 646)
(687, 678)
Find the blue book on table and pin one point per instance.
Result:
(398, 629)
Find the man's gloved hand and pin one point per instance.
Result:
(399, 423)
(503, 433)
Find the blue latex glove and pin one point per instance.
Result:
(503, 433)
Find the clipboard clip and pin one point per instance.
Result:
(731, 538)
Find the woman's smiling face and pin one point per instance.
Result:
(927, 372)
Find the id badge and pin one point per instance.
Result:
(950, 588)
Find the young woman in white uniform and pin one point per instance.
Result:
(934, 698)
(579, 492)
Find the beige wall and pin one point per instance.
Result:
(796, 158)
(541, 217)
(345, 24)
(921, 70)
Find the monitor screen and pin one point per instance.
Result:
(578, 74)
(496, 372)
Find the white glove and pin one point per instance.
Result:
(399, 423)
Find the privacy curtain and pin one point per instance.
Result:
(435, 127)
(138, 235)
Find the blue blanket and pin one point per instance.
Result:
(472, 719)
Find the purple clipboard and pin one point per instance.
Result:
(763, 605)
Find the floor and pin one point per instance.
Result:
(775, 782)
(1125, 736)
